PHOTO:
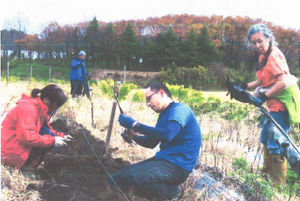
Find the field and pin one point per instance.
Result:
(231, 151)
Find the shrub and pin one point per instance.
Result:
(138, 96)
(169, 73)
(125, 89)
(212, 104)
(105, 86)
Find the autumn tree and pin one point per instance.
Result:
(30, 43)
(7, 41)
(54, 41)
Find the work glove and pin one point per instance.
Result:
(126, 121)
(67, 138)
(88, 77)
(59, 141)
(260, 100)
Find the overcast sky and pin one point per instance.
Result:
(39, 13)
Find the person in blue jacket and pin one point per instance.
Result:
(178, 132)
(79, 76)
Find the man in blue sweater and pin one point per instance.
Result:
(79, 76)
(178, 132)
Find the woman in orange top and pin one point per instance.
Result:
(273, 75)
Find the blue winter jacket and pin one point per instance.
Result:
(77, 73)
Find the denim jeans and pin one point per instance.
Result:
(282, 118)
(37, 154)
(151, 179)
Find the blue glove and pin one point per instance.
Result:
(126, 121)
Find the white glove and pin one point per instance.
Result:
(59, 141)
(67, 138)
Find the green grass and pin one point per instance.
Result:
(40, 71)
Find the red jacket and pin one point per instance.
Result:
(20, 131)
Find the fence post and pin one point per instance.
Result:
(124, 74)
(50, 74)
(7, 73)
(30, 74)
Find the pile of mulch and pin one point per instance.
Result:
(74, 172)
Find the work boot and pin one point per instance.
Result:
(267, 161)
(279, 169)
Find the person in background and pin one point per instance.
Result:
(278, 88)
(178, 132)
(26, 134)
(79, 76)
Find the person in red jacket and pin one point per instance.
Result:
(26, 134)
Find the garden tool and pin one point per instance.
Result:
(279, 169)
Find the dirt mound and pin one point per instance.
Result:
(74, 172)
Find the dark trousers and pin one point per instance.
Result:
(37, 155)
(76, 87)
(151, 179)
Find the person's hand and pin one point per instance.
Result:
(59, 141)
(88, 77)
(260, 100)
(67, 138)
(126, 121)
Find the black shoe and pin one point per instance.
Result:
(180, 195)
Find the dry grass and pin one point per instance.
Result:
(222, 140)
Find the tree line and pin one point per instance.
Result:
(186, 40)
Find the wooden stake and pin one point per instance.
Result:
(111, 122)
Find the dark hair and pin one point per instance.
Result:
(53, 92)
(155, 86)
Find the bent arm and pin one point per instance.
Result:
(27, 130)
(152, 135)
(279, 86)
(253, 85)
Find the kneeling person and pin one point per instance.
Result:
(178, 132)
(26, 135)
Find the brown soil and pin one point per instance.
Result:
(74, 172)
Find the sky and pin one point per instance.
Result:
(40, 13)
